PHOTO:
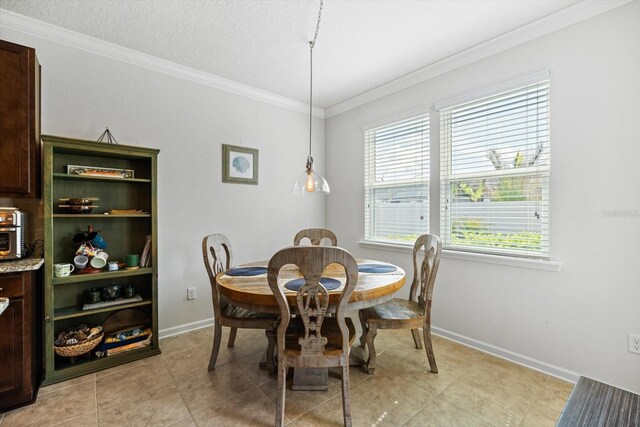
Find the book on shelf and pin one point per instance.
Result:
(129, 347)
(145, 259)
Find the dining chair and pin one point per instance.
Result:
(407, 314)
(218, 257)
(311, 339)
(315, 235)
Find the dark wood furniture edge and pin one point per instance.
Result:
(593, 403)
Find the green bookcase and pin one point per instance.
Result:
(124, 234)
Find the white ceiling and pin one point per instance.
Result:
(264, 44)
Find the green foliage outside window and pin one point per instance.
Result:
(474, 232)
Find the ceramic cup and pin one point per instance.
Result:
(99, 242)
(110, 293)
(113, 266)
(81, 261)
(99, 260)
(62, 270)
(93, 296)
(129, 291)
(132, 260)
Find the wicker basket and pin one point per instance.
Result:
(78, 349)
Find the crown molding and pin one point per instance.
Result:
(23, 24)
(543, 26)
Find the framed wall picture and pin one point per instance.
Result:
(239, 164)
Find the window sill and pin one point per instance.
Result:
(385, 246)
(473, 257)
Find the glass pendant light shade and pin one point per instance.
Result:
(310, 181)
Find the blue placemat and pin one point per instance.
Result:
(376, 268)
(328, 283)
(246, 271)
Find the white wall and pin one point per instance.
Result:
(83, 92)
(575, 320)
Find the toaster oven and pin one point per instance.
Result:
(12, 232)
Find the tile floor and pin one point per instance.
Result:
(175, 388)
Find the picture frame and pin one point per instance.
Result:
(239, 164)
(100, 172)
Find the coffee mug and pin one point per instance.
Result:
(99, 242)
(93, 296)
(113, 266)
(80, 261)
(110, 293)
(129, 291)
(132, 260)
(62, 270)
(99, 260)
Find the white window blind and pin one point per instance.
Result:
(396, 181)
(494, 157)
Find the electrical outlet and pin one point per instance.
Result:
(191, 293)
(634, 343)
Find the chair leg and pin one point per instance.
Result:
(416, 338)
(282, 384)
(426, 329)
(371, 361)
(346, 399)
(365, 327)
(270, 348)
(217, 337)
(232, 337)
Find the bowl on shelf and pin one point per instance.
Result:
(78, 349)
(78, 205)
(79, 209)
(80, 201)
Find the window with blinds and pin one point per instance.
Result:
(494, 157)
(396, 181)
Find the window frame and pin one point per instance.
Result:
(435, 180)
(370, 187)
(447, 176)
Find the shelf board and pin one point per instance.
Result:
(98, 178)
(77, 278)
(64, 370)
(74, 311)
(101, 216)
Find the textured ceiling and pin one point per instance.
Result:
(264, 44)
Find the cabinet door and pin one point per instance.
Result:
(11, 351)
(18, 117)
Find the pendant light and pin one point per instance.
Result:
(311, 181)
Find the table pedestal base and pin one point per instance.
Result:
(318, 378)
(310, 379)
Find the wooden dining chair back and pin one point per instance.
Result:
(424, 275)
(315, 236)
(218, 257)
(408, 314)
(312, 339)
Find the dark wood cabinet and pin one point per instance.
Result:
(11, 349)
(19, 121)
(20, 340)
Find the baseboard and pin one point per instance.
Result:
(187, 327)
(528, 362)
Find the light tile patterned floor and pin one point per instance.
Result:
(175, 388)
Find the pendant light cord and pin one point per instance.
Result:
(311, 46)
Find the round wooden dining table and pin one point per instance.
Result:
(253, 292)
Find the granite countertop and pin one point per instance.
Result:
(26, 264)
